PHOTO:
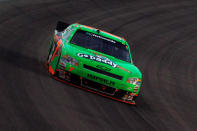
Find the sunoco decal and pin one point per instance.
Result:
(98, 58)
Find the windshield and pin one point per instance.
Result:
(101, 44)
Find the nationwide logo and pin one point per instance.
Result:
(98, 58)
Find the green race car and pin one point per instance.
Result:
(94, 60)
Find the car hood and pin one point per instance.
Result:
(101, 61)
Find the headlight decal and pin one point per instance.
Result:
(68, 59)
(136, 82)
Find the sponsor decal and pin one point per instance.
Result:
(64, 60)
(100, 37)
(117, 65)
(61, 74)
(103, 68)
(108, 82)
(98, 58)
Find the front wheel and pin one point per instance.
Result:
(50, 53)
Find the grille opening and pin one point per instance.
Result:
(102, 72)
(99, 87)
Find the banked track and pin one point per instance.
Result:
(163, 38)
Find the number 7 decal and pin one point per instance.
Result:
(71, 68)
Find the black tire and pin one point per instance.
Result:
(50, 53)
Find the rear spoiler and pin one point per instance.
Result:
(61, 26)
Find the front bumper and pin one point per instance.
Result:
(94, 87)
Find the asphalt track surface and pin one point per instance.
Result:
(163, 39)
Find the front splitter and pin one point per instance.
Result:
(86, 89)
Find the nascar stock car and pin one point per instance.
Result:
(94, 60)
